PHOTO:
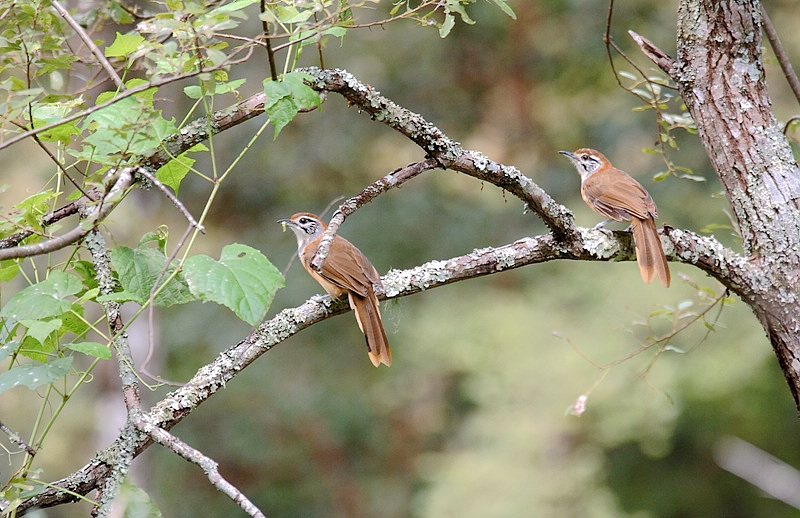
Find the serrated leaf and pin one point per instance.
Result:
(95, 349)
(138, 269)
(243, 280)
(44, 299)
(34, 376)
(193, 91)
(124, 45)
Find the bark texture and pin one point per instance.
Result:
(720, 74)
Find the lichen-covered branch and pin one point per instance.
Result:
(394, 179)
(705, 252)
(436, 144)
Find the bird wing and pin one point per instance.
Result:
(348, 268)
(626, 200)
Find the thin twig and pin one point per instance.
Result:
(123, 180)
(15, 438)
(211, 468)
(780, 53)
(273, 70)
(447, 152)
(391, 180)
(172, 198)
(89, 43)
(151, 342)
(123, 95)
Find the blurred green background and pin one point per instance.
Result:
(472, 420)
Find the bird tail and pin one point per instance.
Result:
(649, 252)
(369, 320)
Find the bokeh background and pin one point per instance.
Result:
(473, 419)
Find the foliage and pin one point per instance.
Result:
(460, 412)
(96, 107)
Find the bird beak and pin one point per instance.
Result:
(568, 154)
(285, 222)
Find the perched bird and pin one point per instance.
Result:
(614, 194)
(346, 270)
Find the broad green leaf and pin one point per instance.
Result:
(242, 280)
(138, 269)
(279, 105)
(95, 349)
(9, 269)
(34, 376)
(41, 329)
(72, 321)
(303, 95)
(44, 299)
(124, 45)
(137, 502)
(36, 350)
(173, 172)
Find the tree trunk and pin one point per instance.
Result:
(720, 74)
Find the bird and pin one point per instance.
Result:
(616, 195)
(346, 270)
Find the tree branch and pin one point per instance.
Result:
(391, 180)
(144, 423)
(87, 40)
(664, 61)
(439, 146)
(705, 252)
(780, 53)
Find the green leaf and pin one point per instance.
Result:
(137, 502)
(242, 280)
(138, 269)
(40, 330)
(44, 299)
(193, 91)
(9, 269)
(34, 376)
(173, 172)
(95, 349)
(280, 106)
(447, 26)
(303, 95)
(505, 8)
(124, 45)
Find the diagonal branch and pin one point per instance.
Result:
(394, 179)
(439, 146)
(704, 252)
(87, 40)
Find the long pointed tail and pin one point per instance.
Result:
(649, 252)
(369, 320)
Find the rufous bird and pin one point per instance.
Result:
(614, 194)
(346, 270)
